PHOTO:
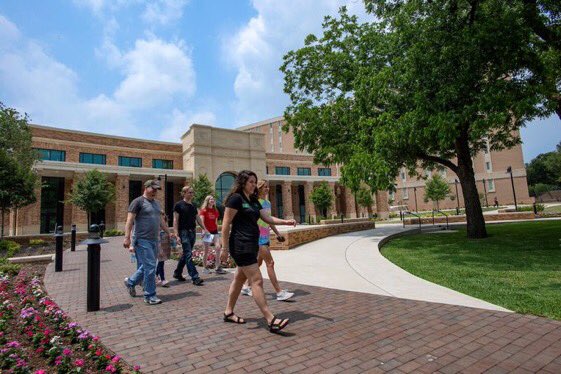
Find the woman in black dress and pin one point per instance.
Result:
(243, 210)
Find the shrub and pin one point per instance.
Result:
(113, 232)
(37, 242)
(8, 248)
(10, 269)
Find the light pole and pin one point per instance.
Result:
(485, 190)
(509, 171)
(457, 200)
(415, 193)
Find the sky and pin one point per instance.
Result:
(150, 68)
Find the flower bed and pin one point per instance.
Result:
(36, 336)
(198, 252)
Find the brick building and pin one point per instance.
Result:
(262, 147)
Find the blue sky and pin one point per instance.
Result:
(149, 69)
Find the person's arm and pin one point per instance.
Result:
(274, 220)
(128, 229)
(274, 228)
(176, 224)
(229, 215)
(200, 222)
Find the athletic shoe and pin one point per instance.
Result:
(179, 277)
(152, 300)
(207, 271)
(198, 282)
(221, 271)
(158, 282)
(247, 291)
(165, 283)
(284, 295)
(130, 289)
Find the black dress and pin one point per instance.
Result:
(244, 236)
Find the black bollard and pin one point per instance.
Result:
(94, 242)
(101, 229)
(58, 249)
(341, 217)
(73, 238)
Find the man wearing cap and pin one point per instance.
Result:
(144, 213)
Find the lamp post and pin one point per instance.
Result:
(485, 190)
(415, 193)
(509, 171)
(457, 200)
(165, 189)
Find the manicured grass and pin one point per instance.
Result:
(518, 266)
(553, 209)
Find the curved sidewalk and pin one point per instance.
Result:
(353, 262)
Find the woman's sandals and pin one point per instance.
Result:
(232, 318)
(277, 324)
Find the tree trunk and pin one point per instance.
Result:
(474, 214)
(558, 108)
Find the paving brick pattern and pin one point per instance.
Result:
(331, 331)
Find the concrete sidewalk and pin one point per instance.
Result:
(353, 262)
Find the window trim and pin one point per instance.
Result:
(49, 158)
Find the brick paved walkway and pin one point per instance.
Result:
(330, 330)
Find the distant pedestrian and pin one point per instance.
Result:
(145, 214)
(185, 218)
(209, 215)
(496, 203)
(242, 212)
(264, 243)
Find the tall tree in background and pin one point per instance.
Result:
(17, 178)
(436, 189)
(426, 83)
(92, 193)
(322, 198)
(364, 197)
(203, 188)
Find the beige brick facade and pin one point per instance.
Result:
(262, 147)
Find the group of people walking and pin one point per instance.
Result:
(246, 226)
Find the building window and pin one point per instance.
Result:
(92, 158)
(405, 193)
(282, 170)
(51, 155)
(403, 175)
(304, 171)
(222, 186)
(488, 165)
(490, 185)
(162, 164)
(324, 172)
(135, 162)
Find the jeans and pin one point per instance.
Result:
(187, 242)
(160, 270)
(146, 252)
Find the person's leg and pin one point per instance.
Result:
(149, 250)
(265, 255)
(253, 274)
(205, 256)
(185, 246)
(234, 291)
(160, 270)
(217, 251)
(188, 253)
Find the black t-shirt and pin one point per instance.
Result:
(187, 215)
(244, 224)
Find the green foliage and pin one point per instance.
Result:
(364, 197)
(544, 172)
(427, 83)
(37, 242)
(92, 192)
(203, 188)
(113, 232)
(436, 189)
(9, 269)
(322, 198)
(8, 248)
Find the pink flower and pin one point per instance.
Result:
(116, 359)
(79, 363)
(40, 371)
(95, 338)
(110, 368)
(136, 367)
(66, 352)
(13, 344)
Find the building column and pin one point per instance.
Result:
(382, 206)
(12, 225)
(350, 203)
(310, 208)
(332, 212)
(287, 200)
(121, 200)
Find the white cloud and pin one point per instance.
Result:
(155, 74)
(163, 12)
(256, 51)
(179, 122)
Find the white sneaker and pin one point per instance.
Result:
(165, 283)
(247, 291)
(284, 295)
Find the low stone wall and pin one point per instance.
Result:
(345, 220)
(514, 216)
(23, 240)
(307, 234)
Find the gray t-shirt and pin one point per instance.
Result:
(147, 221)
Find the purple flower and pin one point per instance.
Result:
(66, 352)
(13, 344)
(72, 325)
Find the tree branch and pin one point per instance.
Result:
(532, 16)
(439, 160)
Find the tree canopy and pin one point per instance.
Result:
(544, 172)
(425, 83)
(203, 188)
(322, 198)
(436, 189)
(92, 192)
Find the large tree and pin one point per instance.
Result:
(17, 178)
(92, 193)
(426, 83)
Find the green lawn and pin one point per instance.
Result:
(518, 266)
(553, 209)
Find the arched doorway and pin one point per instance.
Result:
(222, 186)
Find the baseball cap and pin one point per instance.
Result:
(153, 183)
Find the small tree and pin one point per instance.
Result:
(322, 197)
(364, 197)
(436, 189)
(17, 178)
(92, 193)
(203, 188)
